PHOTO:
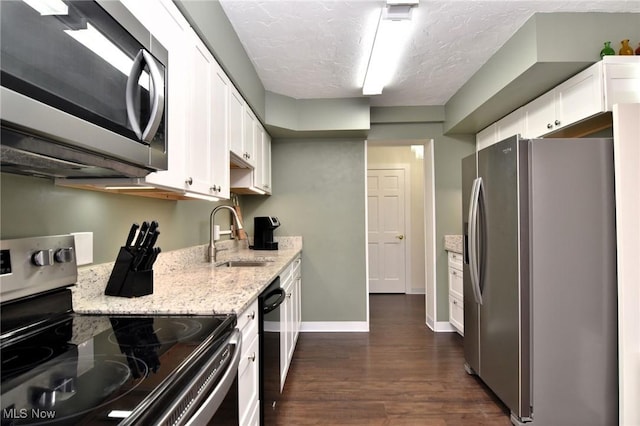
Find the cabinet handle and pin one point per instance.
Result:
(189, 181)
(549, 126)
(289, 295)
(252, 358)
(455, 302)
(557, 122)
(252, 315)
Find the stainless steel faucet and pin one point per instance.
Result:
(212, 247)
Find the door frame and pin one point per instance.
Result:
(429, 218)
(407, 219)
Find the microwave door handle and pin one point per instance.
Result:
(132, 86)
(473, 240)
(157, 93)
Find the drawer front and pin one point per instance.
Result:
(456, 314)
(456, 282)
(248, 322)
(455, 260)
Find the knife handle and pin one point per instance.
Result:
(132, 234)
(142, 234)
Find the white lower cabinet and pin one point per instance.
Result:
(290, 315)
(249, 367)
(456, 293)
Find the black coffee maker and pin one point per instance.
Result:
(263, 227)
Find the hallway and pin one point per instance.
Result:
(400, 373)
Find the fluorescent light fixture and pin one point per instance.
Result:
(391, 35)
(201, 197)
(95, 41)
(129, 187)
(48, 7)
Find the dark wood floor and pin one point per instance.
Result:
(400, 373)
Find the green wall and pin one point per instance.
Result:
(448, 153)
(34, 207)
(319, 189)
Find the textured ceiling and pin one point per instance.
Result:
(309, 49)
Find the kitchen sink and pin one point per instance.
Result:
(244, 263)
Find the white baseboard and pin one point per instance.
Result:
(334, 326)
(442, 327)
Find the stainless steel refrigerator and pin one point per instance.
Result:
(540, 303)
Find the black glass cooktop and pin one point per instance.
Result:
(96, 369)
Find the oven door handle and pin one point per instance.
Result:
(214, 400)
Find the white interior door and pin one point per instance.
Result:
(386, 230)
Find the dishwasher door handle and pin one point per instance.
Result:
(214, 400)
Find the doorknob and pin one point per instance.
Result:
(400, 237)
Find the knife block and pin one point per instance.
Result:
(127, 282)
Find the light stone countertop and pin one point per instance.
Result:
(453, 243)
(186, 284)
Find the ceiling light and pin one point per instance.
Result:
(392, 32)
(48, 7)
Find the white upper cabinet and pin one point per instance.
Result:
(249, 140)
(486, 137)
(200, 119)
(615, 79)
(236, 122)
(512, 124)
(198, 102)
(576, 99)
(220, 143)
(621, 80)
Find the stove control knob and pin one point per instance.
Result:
(64, 255)
(42, 257)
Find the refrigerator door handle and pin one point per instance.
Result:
(474, 267)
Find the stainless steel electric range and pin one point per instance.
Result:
(59, 367)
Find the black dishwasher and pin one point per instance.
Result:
(270, 334)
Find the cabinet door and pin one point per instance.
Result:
(486, 137)
(258, 175)
(199, 156)
(266, 162)
(168, 25)
(248, 380)
(236, 126)
(512, 124)
(249, 143)
(220, 142)
(456, 314)
(286, 313)
(621, 80)
(579, 97)
(539, 115)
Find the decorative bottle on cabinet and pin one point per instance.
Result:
(607, 49)
(638, 49)
(625, 49)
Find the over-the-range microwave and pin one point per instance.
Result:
(84, 90)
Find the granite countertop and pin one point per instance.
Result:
(186, 284)
(453, 243)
